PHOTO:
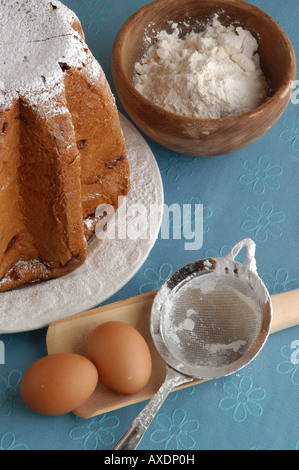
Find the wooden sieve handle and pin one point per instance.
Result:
(285, 310)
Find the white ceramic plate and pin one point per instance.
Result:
(110, 264)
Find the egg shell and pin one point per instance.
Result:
(59, 383)
(121, 355)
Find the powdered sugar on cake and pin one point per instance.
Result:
(35, 54)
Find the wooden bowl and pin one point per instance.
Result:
(203, 137)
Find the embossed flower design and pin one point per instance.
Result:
(281, 282)
(98, 15)
(96, 432)
(263, 222)
(175, 432)
(287, 366)
(207, 214)
(9, 392)
(8, 442)
(185, 391)
(242, 399)
(290, 134)
(261, 175)
(154, 279)
(189, 215)
(176, 166)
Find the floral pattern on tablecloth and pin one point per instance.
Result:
(251, 193)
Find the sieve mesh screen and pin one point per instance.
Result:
(210, 323)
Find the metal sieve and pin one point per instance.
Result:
(208, 320)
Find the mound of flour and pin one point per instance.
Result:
(212, 74)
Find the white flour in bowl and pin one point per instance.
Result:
(210, 75)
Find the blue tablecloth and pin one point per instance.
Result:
(251, 193)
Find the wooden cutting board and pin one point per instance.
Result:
(71, 335)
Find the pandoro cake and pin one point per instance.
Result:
(62, 152)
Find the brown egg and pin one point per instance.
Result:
(58, 383)
(121, 356)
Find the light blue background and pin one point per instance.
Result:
(251, 193)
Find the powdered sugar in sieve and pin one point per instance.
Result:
(209, 323)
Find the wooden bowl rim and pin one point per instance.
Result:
(284, 89)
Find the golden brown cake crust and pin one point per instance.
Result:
(62, 154)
